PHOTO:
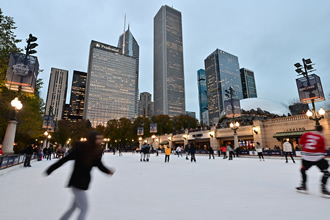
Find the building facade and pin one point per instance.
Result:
(249, 88)
(110, 85)
(191, 114)
(169, 91)
(56, 96)
(130, 47)
(78, 88)
(145, 105)
(222, 72)
(202, 95)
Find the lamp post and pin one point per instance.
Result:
(233, 125)
(49, 137)
(106, 142)
(45, 140)
(304, 69)
(316, 116)
(9, 139)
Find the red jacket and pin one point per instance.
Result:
(223, 149)
(313, 146)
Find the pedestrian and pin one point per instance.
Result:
(224, 151)
(28, 154)
(259, 151)
(237, 150)
(167, 154)
(287, 149)
(192, 151)
(49, 152)
(230, 151)
(219, 152)
(313, 153)
(147, 152)
(119, 151)
(178, 151)
(211, 152)
(44, 152)
(187, 149)
(86, 155)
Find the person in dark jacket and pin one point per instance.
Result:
(28, 154)
(211, 152)
(192, 152)
(86, 155)
(49, 153)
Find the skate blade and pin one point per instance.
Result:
(326, 196)
(302, 191)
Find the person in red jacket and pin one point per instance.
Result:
(224, 151)
(313, 152)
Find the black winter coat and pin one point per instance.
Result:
(81, 176)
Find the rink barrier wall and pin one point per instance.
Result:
(13, 160)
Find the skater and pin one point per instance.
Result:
(259, 151)
(287, 149)
(143, 152)
(28, 154)
(230, 151)
(237, 150)
(187, 149)
(86, 155)
(211, 152)
(224, 151)
(178, 151)
(167, 154)
(147, 152)
(313, 152)
(192, 151)
(219, 152)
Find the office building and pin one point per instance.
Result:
(191, 114)
(248, 83)
(130, 47)
(57, 88)
(202, 94)
(110, 85)
(76, 110)
(169, 92)
(145, 105)
(222, 72)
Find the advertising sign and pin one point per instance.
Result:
(153, 127)
(22, 71)
(140, 131)
(228, 108)
(310, 89)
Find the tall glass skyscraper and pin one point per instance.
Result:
(202, 94)
(57, 88)
(131, 48)
(110, 85)
(169, 92)
(248, 83)
(222, 72)
(76, 110)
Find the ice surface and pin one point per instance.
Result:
(244, 188)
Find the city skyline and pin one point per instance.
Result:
(268, 41)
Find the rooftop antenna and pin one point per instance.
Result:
(124, 35)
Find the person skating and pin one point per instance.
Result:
(167, 153)
(287, 149)
(259, 151)
(86, 155)
(192, 151)
(230, 151)
(187, 149)
(313, 153)
(28, 155)
(224, 151)
(211, 152)
(178, 151)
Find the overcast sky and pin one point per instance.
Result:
(268, 37)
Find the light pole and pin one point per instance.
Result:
(106, 142)
(9, 139)
(49, 137)
(233, 125)
(45, 141)
(313, 89)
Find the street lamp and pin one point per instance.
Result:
(316, 116)
(49, 137)
(106, 142)
(9, 139)
(312, 91)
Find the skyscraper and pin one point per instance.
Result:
(58, 83)
(76, 110)
(131, 48)
(222, 72)
(169, 92)
(110, 85)
(145, 105)
(202, 94)
(248, 83)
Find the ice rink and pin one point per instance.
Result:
(244, 188)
